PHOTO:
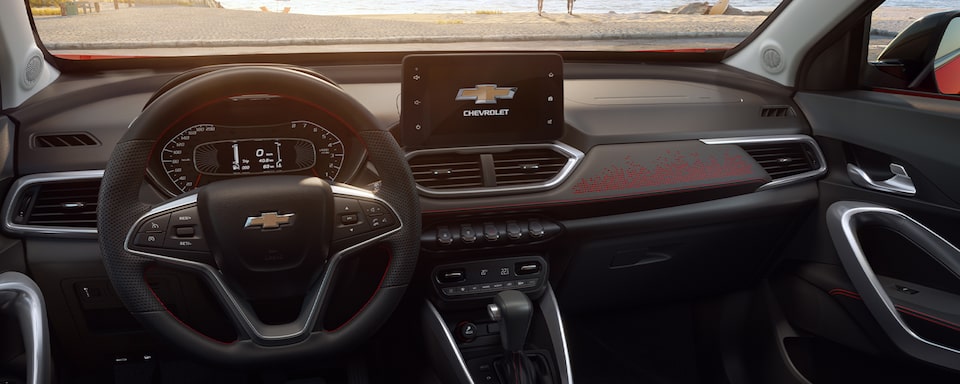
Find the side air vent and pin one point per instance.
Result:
(788, 159)
(782, 160)
(70, 204)
(527, 166)
(447, 170)
(777, 111)
(64, 140)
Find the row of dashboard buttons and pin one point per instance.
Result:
(469, 235)
(489, 287)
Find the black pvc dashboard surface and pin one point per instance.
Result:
(605, 104)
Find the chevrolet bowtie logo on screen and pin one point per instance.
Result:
(486, 93)
(268, 220)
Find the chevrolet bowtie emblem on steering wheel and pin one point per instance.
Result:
(268, 220)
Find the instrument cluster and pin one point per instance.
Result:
(254, 135)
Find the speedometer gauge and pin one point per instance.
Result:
(207, 152)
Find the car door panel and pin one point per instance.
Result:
(884, 259)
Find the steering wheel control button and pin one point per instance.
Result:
(343, 205)
(188, 231)
(372, 209)
(151, 239)
(187, 216)
(186, 244)
(155, 224)
(349, 219)
(381, 221)
(490, 232)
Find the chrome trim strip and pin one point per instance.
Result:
(21, 295)
(450, 342)
(16, 190)
(846, 222)
(574, 156)
(820, 171)
(551, 315)
(249, 321)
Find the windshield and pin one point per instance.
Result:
(204, 27)
(125, 28)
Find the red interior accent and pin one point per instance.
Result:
(670, 168)
(902, 309)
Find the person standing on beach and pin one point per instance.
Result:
(570, 6)
(540, 7)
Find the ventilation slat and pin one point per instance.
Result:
(527, 166)
(61, 204)
(447, 170)
(782, 159)
(79, 139)
(777, 111)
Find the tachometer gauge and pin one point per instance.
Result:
(207, 152)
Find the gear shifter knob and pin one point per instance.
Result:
(513, 311)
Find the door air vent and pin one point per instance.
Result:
(80, 139)
(447, 170)
(70, 204)
(777, 111)
(783, 159)
(527, 166)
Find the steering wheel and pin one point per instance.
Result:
(259, 237)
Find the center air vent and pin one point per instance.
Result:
(70, 204)
(527, 166)
(782, 160)
(447, 170)
(470, 171)
(64, 140)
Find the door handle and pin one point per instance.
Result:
(900, 183)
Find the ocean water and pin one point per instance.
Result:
(359, 7)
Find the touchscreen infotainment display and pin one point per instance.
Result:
(481, 99)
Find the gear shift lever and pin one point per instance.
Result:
(513, 311)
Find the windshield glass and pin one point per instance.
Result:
(124, 28)
(204, 27)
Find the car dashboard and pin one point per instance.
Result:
(599, 210)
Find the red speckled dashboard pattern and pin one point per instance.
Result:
(671, 169)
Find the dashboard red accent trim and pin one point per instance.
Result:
(671, 168)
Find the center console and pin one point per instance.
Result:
(488, 125)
